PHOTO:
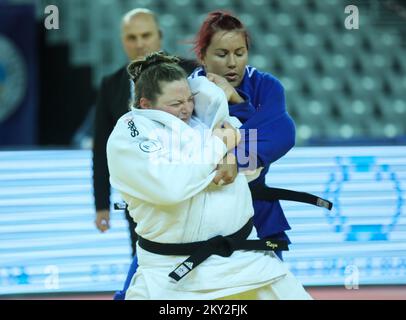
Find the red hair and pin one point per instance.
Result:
(214, 22)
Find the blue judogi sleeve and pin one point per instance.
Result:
(264, 110)
(275, 134)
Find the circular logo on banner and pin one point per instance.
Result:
(13, 80)
(354, 171)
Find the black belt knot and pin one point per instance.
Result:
(222, 246)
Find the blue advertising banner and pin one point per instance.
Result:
(18, 75)
(49, 243)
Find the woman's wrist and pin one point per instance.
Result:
(236, 98)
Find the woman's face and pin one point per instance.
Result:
(176, 99)
(227, 56)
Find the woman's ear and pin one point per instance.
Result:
(145, 104)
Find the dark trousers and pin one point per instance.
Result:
(133, 234)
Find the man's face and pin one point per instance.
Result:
(140, 36)
(227, 56)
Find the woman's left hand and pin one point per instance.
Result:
(231, 94)
(226, 170)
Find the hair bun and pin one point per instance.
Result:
(135, 68)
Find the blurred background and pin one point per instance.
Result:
(345, 89)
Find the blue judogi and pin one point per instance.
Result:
(263, 109)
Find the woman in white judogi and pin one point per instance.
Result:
(162, 160)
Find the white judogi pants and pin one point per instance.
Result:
(287, 288)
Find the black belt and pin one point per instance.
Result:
(262, 192)
(220, 245)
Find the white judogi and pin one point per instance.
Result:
(165, 175)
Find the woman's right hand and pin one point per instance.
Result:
(103, 220)
(228, 134)
(230, 92)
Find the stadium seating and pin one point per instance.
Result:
(355, 76)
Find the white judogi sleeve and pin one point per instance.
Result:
(211, 107)
(150, 170)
